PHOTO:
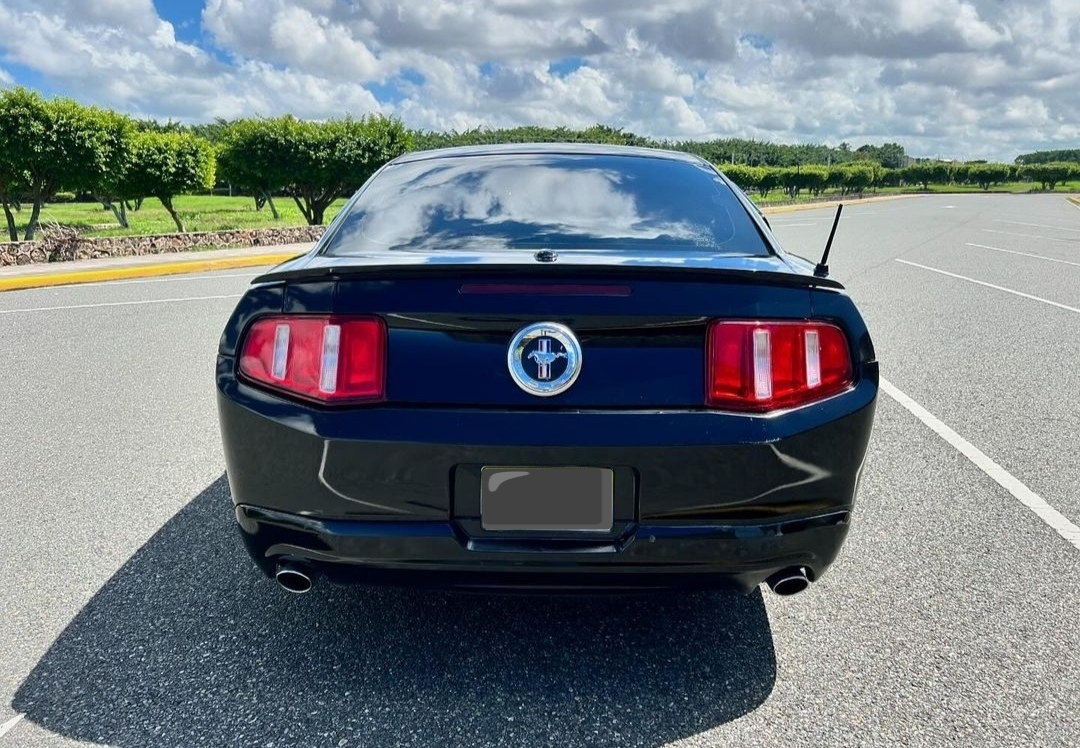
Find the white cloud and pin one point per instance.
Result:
(964, 78)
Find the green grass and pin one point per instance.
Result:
(1013, 188)
(779, 197)
(198, 212)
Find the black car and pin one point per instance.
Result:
(547, 368)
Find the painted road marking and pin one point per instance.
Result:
(1036, 225)
(1048, 514)
(991, 285)
(60, 277)
(1033, 236)
(10, 724)
(167, 279)
(119, 303)
(1024, 254)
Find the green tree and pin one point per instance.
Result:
(1049, 174)
(856, 177)
(770, 180)
(815, 178)
(917, 173)
(13, 186)
(51, 145)
(247, 153)
(810, 177)
(748, 178)
(986, 174)
(167, 164)
(315, 162)
(940, 172)
(109, 187)
(1046, 157)
(890, 178)
(927, 172)
(791, 181)
(889, 155)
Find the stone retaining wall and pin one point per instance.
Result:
(62, 245)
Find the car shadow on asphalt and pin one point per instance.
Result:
(188, 645)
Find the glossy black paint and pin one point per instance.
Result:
(388, 461)
(390, 492)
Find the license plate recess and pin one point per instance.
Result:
(547, 498)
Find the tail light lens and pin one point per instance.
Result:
(326, 359)
(763, 366)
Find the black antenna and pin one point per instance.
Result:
(822, 269)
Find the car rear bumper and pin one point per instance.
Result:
(439, 554)
(391, 494)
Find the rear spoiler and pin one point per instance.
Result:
(643, 271)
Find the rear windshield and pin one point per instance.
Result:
(533, 201)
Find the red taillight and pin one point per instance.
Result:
(762, 366)
(329, 359)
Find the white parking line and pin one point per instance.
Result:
(1024, 254)
(119, 303)
(1048, 514)
(10, 724)
(1033, 236)
(1036, 225)
(991, 285)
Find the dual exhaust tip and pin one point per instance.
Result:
(294, 578)
(297, 579)
(788, 581)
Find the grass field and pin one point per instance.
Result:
(198, 212)
(218, 212)
(1011, 188)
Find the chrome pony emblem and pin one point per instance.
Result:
(544, 358)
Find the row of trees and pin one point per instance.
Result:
(858, 176)
(1045, 157)
(718, 151)
(47, 146)
(58, 144)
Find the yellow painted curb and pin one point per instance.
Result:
(141, 271)
(1074, 200)
(834, 203)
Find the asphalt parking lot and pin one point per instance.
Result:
(131, 616)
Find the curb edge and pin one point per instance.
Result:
(73, 277)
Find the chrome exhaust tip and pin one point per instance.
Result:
(789, 581)
(293, 578)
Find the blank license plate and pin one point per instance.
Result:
(522, 498)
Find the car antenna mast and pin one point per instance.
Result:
(822, 269)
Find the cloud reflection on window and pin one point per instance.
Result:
(529, 201)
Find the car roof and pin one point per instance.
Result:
(574, 149)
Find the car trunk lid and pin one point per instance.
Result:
(641, 328)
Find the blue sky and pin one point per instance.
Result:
(952, 78)
(186, 18)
